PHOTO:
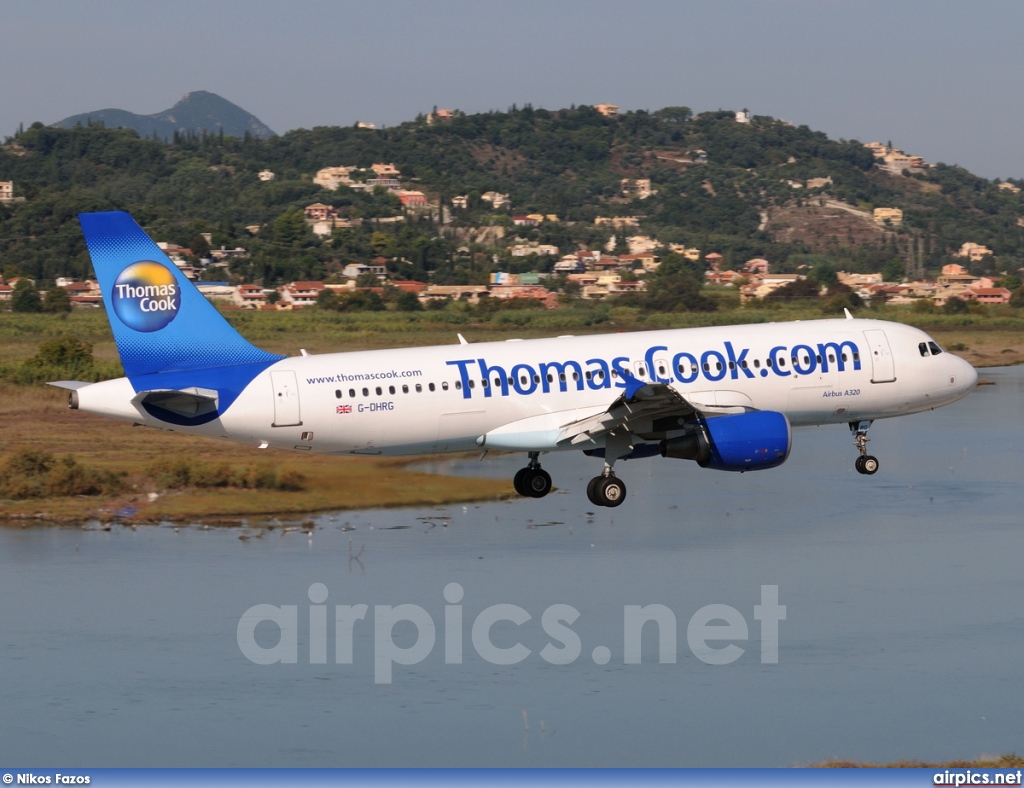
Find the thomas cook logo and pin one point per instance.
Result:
(146, 296)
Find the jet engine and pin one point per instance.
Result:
(739, 442)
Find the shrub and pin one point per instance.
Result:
(31, 473)
(61, 358)
(182, 473)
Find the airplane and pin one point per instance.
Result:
(726, 397)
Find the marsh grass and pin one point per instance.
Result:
(196, 478)
(1011, 761)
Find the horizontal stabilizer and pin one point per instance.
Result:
(70, 385)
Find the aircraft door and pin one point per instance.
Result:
(883, 369)
(286, 398)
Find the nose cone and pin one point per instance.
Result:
(963, 376)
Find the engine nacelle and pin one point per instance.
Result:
(741, 442)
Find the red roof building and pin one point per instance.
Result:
(988, 295)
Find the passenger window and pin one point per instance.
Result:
(843, 357)
(856, 356)
(472, 384)
(379, 392)
(732, 365)
(352, 393)
(391, 389)
(536, 378)
(588, 374)
(419, 388)
(922, 348)
(561, 376)
(757, 363)
(935, 348)
(366, 392)
(405, 389)
(832, 358)
(768, 362)
(338, 393)
(719, 365)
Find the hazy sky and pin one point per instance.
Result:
(941, 79)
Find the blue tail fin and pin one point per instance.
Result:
(168, 334)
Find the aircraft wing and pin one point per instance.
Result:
(643, 408)
(636, 409)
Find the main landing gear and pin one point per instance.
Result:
(606, 490)
(865, 464)
(532, 481)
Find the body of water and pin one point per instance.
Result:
(902, 637)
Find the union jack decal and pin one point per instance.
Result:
(343, 409)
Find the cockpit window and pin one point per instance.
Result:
(923, 347)
(935, 348)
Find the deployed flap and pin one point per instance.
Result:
(189, 402)
(634, 409)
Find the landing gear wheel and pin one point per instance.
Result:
(519, 482)
(606, 491)
(865, 464)
(537, 482)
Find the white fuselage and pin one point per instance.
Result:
(435, 399)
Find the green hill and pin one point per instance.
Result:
(720, 186)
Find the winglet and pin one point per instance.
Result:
(848, 315)
(633, 385)
(462, 339)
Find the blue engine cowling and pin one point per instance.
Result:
(741, 442)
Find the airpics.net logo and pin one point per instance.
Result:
(712, 633)
(146, 296)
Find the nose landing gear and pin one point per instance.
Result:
(532, 481)
(865, 463)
